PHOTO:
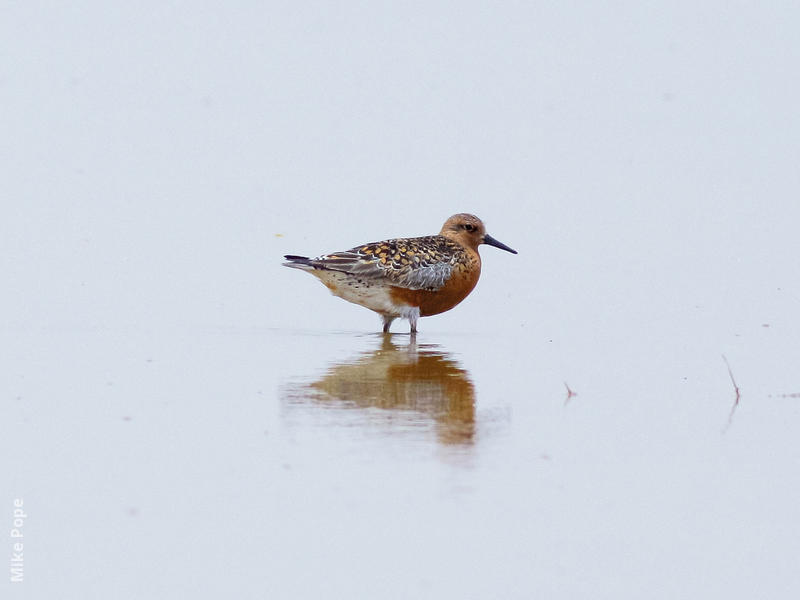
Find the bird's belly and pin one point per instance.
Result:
(369, 294)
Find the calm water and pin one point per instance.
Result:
(294, 463)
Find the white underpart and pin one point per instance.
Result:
(364, 292)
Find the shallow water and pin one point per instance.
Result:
(358, 464)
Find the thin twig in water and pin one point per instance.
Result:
(570, 394)
(736, 399)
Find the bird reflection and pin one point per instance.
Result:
(413, 380)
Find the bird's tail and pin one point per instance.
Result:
(298, 262)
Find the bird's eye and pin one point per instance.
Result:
(469, 227)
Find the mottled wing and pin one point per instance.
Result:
(415, 263)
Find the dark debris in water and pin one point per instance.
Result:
(570, 394)
(736, 399)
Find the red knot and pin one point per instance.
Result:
(406, 278)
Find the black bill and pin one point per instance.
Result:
(487, 239)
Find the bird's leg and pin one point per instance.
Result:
(387, 322)
(413, 320)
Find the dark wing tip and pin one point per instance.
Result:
(297, 262)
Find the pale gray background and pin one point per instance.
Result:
(159, 158)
